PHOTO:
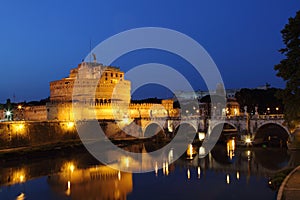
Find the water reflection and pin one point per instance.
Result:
(97, 182)
(80, 176)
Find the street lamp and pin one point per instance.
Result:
(8, 115)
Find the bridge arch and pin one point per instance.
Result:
(272, 132)
(186, 130)
(224, 122)
(227, 129)
(186, 123)
(152, 128)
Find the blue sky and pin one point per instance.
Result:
(42, 40)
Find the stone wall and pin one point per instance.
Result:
(20, 133)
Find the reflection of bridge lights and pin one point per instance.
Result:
(227, 179)
(21, 178)
(68, 167)
(68, 192)
(18, 176)
(248, 154)
(166, 168)
(125, 161)
(119, 175)
(190, 151)
(238, 175)
(171, 156)
(156, 168)
(199, 172)
(188, 174)
(230, 148)
(21, 197)
(201, 151)
(201, 136)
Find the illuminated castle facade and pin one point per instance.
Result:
(102, 93)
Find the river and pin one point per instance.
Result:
(239, 173)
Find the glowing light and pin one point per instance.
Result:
(270, 182)
(127, 162)
(277, 108)
(230, 148)
(18, 176)
(68, 192)
(238, 175)
(156, 168)
(171, 156)
(199, 172)
(19, 107)
(201, 151)
(8, 113)
(190, 151)
(71, 167)
(248, 140)
(167, 168)
(188, 174)
(268, 109)
(119, 175)
(68, 167)
(19, 127)
(227, 179)
(70, 125)
(235, 111)
(201, 136)
(21, 197)
(248, 154)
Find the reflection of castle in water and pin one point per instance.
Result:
(99, 182)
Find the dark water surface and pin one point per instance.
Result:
(243, 174)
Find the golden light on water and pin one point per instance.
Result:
(190, 151)
(156, 168)
(119, 175)
(230, 148)
(188, 174)
(227, 179)
(199, 172)
(18, 176)
(238, 175)
(201, 136)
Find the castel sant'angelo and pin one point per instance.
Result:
(103, 92)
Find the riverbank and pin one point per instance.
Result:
(290, 187)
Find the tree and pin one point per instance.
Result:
(289, 70)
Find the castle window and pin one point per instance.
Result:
(111, 74)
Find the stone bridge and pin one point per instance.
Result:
(257, 127)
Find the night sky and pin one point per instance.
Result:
(42, 40)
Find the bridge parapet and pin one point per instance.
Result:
(269, 117)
